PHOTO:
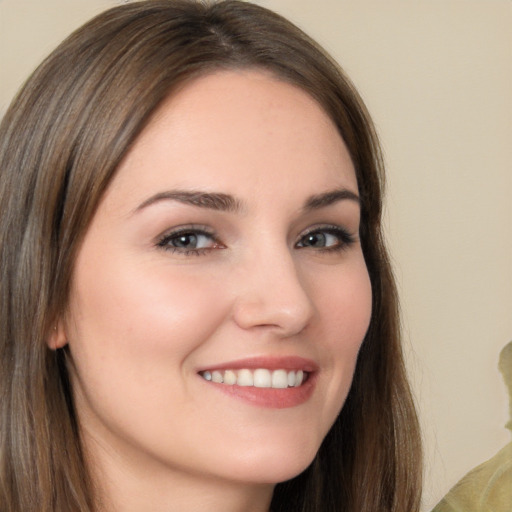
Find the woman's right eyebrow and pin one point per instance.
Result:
(210, 200)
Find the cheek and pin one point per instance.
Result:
(345, 310)
(134, 325)
(345, 307)
(126, 305)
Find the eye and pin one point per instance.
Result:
(328, 238)
(189, 241)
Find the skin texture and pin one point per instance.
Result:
(143, 319)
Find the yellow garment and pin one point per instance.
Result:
(487, 488)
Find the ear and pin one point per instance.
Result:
(57, 336)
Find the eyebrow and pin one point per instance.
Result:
(227, 203)
(208, 200)
(328, 198)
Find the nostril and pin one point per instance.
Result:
(285, 318)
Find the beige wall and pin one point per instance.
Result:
(437, 76)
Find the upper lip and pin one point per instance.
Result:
(268, 362)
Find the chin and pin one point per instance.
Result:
(272, 465)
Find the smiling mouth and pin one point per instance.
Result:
(258, 378)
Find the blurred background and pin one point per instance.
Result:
(437, 78)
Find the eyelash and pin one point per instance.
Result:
(344, 240)
(198, 231)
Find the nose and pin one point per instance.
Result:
(271, 294)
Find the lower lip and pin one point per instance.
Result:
(270, 398)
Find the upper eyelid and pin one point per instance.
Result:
(324, 227)
(185, 228)
(320, 227)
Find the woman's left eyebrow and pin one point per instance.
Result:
(330, 197)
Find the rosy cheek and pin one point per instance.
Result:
(348, 308)
(359, 305)
(346, 301)
(148, 309)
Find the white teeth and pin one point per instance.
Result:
(245, 378)
(259, 378)
(229, 377)
(262, 378)
(217, 377)
(279, 379)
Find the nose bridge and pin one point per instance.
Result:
(271, 292)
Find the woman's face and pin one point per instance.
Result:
(226, 247)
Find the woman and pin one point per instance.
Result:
(194, 282)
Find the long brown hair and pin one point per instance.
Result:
(61, 142)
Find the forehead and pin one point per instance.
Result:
(241, 130)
